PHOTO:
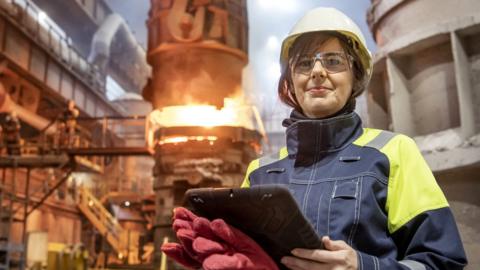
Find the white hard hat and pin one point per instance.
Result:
(329, 19)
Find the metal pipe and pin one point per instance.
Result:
(7, 105)
(102, 41)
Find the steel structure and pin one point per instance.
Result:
(18, 205)
(42, 66)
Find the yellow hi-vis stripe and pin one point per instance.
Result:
(412, 188)
(255, 164)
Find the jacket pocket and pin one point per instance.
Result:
(344, 209)
(346, 189)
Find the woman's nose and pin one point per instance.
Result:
(318, 71)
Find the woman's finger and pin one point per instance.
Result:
(183, 213)
(186, 238)
(302, 264)
(318, 255)
(178, 253)
(334, 245)
(204, 247)
(181, 224)
(202, 227)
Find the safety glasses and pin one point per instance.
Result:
(333, 62)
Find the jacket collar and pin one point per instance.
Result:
(307, 138)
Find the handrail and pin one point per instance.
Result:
(105, 222)
(108, 225)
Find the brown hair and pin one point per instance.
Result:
(304, 43)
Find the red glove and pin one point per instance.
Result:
(234, 251)
(188, 227)
(183, 227)
(214, 245)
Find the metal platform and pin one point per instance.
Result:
(34, 161)
(111, 151)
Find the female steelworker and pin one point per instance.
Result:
(369, 191)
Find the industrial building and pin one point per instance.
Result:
(87, 167)
(68, 134)
(426, 85)
(101, 137)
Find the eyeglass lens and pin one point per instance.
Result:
(333, 62)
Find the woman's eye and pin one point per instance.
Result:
(303, 63)
(333, 61)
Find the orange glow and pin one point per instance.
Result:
(183, 139)
(234, 113)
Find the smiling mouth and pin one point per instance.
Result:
(319, 89)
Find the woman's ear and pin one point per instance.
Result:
(290, 89)
(286, 91)
(291, 93)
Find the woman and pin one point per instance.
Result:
(369, 191)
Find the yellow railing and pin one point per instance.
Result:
(124, 242)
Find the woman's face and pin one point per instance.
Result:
(321, 93)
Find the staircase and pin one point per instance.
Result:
(124, 242)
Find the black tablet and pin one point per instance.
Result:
(269, 214)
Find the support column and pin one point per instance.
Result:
(400, 104)
(464, 87)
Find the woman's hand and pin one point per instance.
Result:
(214, 245)
(337, 255)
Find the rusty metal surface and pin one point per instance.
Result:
(205, 46)
(197, 50)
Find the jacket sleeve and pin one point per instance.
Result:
(419, 218)
(428, 241)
